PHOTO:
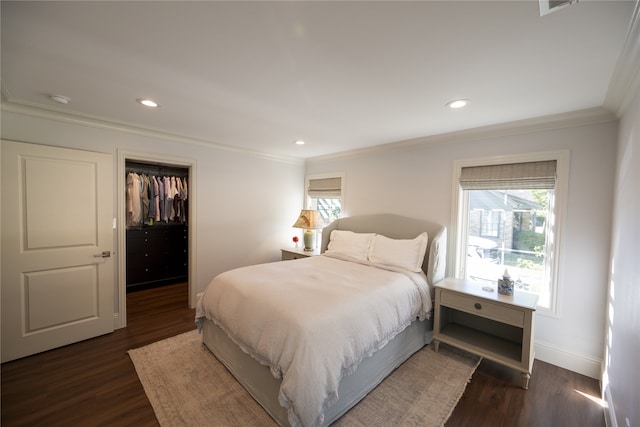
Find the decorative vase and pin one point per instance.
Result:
(505, 285)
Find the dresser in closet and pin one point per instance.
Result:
(156, 256)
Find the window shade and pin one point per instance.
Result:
(326, 188)
(513, 176)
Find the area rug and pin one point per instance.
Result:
(188, 386)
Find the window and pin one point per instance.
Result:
(324, 194)
(491, 224)
(508, 217)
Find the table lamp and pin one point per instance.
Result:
(310, 220)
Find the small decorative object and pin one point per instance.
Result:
(295, 240)
(505, 285)
(310, 220)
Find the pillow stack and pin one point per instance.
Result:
(404, 253)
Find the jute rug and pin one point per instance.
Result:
(187, 386)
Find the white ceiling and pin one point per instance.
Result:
(339, 75)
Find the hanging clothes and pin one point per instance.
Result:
(161, 199)
(144, 197)
(152, 204)
(153, 199)
(156, 199)
(134, 211)
(183, 200)
(168, 199)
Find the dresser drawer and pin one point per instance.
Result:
(483, 308)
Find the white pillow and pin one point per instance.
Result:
(348, 243)
(404, 253)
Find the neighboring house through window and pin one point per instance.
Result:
(509, 216)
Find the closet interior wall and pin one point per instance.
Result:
(157, 201)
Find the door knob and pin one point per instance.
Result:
(104, 254)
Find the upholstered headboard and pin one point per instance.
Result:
(399, 227)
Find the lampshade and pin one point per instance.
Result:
(309, 219)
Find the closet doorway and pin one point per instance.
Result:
(156, 232)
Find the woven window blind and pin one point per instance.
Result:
(513, 176)
(325, 188)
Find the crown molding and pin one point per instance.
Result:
(539, 124)
(625, 82)
(52, 113)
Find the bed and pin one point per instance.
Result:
(310, 338)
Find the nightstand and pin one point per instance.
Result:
(476, 318)
(295, 253)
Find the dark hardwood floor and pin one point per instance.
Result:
(556, 398)
(93, 383)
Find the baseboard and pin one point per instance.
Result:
(582, 364)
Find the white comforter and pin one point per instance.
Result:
(313, 321)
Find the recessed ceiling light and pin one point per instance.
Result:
(60, 99)
(147, 102)
(299, 142)
(458, 103)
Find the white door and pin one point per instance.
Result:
(57, 240)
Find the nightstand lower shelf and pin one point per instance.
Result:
(483, 344)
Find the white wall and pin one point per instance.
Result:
(245, 202)
(622, 345)
(416, 180)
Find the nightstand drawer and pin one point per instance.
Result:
(286, 255)
(483, 308)
(289, 254)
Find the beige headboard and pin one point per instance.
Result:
(399, 227)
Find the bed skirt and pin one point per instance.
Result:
(264, 387)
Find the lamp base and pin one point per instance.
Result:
(309, 240)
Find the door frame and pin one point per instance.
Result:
(153, 158)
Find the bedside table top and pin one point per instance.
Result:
(302, 252)
(468, 287)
